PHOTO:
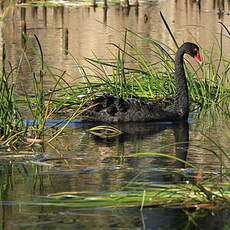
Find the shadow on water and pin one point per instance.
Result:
(174, 219)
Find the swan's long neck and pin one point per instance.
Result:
(181, 104)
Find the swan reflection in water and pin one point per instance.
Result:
(148, 135)
(152, 218)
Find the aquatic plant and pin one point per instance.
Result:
(154, 81)
(198, 189)
(40, 103)
(205, 191)
(44, 104)
(133, 74)
(185, 196)
(11, 121)
(130, 74)
(13, 125)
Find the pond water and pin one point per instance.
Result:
(88, 31)
(77, 161)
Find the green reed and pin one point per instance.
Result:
(11, 121)
(141, 79)
(45, 103)
(134, 74)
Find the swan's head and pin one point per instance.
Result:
(193, 50)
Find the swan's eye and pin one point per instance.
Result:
(196, 51)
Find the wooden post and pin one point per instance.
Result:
(66, 41)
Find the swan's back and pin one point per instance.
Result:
(115, 109)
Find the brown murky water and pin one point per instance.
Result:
(86, 163)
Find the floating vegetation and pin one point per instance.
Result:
(196, 189)
(104, 131)
(155, 195)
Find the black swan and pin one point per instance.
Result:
(112, 109)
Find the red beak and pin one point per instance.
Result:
(198, 58)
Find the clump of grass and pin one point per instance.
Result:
(131, 73)
(44, 103)
(11, 121)
(208, 85)
(211, 85)
(40, 104)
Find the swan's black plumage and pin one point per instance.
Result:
(109, 108)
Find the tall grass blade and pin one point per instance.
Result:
(169, 30)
